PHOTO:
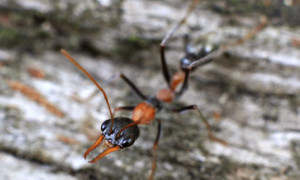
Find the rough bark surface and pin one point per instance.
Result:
(250, 94)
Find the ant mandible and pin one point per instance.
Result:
(121, 132)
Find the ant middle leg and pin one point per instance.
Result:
(204, 120)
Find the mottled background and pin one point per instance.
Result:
(250, 94)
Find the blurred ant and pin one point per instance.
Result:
(192, 60)
(121, 132)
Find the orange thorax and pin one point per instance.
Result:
(144, 113)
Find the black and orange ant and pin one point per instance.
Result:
(121, 132)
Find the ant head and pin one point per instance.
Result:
(191, 57)
(124, 139)
(185, 62)
(116, 137)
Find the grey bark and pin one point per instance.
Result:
(254, 88)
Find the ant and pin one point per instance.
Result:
(121, 132)
(192, 60)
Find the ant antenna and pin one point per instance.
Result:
(65, 53)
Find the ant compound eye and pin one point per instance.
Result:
(185, 61)
(128, 142)
(104, 125)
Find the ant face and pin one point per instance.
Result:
(184, 63)
(115, 137)
(126, 138)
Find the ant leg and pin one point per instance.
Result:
(208, 127)
(209, 57)
(189, 50)
(164, 42)
(154, 155)
(164, 64)
(224, 47)
(186, 39)
(134, 87)
(123, 108)
(130, 83)
(184, 85)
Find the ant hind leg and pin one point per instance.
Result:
(204, 120)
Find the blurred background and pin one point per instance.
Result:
(49, 114)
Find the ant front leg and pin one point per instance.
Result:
(204, 120)
(155, 145)
(123, 108)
